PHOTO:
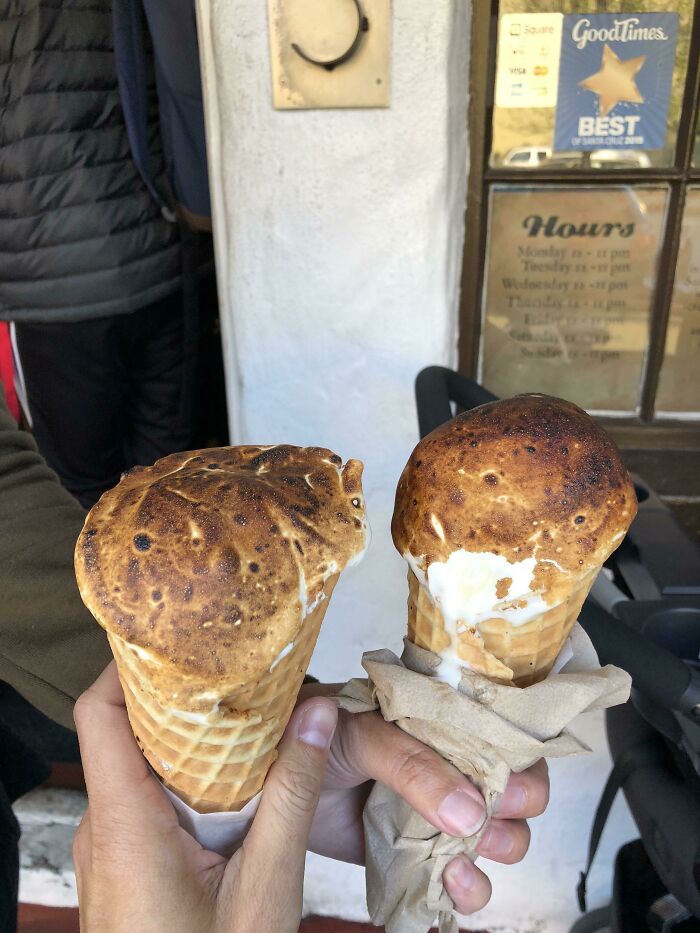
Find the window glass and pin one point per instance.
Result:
(589, 83)
(679, 384)
(570, 276)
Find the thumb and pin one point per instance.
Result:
(117, 776)
(279, 836)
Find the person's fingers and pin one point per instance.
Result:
(527, 794)
(82, 854)
(81, 843)
(369, 747)
(263, 882)
(276, 844)
(505, 841)
(318, 690)
(117, 776)
(467, 885)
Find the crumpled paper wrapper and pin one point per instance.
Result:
(219, 832)
(486, 730)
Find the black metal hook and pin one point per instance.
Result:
(362, 26)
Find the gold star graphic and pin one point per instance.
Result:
(615, 81)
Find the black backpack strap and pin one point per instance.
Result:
(131, 59)
(644, 755)
(191, 262)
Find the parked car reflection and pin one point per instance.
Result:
(532, 157)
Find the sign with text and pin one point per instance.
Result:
(569, 283)
(615, 77)
(528, 59)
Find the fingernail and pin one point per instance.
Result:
(460, 873)
(496, 841)
(513, 800)
(317, 725)
(460, 814)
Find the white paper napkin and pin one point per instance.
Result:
(220, 832)
(563, 658)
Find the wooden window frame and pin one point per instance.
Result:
(634, 431)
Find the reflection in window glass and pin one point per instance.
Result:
(569, 282)
(696, 152)
(679, 384)
(628, 89)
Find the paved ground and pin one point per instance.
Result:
(48, 817)
(536, 896)
(35, 919)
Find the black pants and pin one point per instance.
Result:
(9, 864)
(105, 395)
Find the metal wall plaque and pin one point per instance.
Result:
(329, 53)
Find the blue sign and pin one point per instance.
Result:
(615, 79)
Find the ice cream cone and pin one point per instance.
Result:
(505, 515)
(216, 759)
(211, 572)
(498, 649)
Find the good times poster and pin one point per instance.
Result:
(615, 79)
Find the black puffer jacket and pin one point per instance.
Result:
(80, 236)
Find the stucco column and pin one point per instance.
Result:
(339, 237)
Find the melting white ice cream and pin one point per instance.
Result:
(465, 588)
(283, 654)
(207, 718)
(449, 670)
(468, 589)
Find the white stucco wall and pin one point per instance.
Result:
(339, 241)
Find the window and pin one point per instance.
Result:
(678, 394)
(584, 202)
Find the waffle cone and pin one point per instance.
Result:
(218, 761)
(503, 652)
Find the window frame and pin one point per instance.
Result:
(636, 430)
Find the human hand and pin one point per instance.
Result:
(367, 749)
(139, 872)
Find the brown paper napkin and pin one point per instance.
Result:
(484, 729)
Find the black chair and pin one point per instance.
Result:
(644, 618)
